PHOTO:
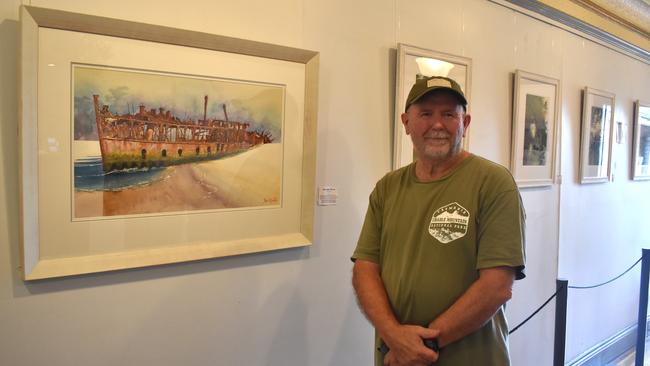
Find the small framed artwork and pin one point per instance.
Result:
(596, 136)
(414, 63)
(535, 114)
(619, 132)
(641, 144)
(145, 145)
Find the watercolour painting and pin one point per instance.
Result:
(596, 136)
(535, 135)
(641, 144)
(143, 145)
(147, 143)
(596, 143)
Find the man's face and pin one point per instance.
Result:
(436, 125)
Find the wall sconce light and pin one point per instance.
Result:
(432, 67)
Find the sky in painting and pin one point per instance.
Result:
(260, 105)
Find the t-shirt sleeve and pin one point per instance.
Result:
(370, 237)
(501, 233)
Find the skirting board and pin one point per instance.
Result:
(609, 349)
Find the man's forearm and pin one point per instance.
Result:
(372, 296)
(476, 306)
(405, 341)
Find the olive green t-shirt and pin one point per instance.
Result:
(431, 238)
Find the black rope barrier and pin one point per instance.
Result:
(534, 313)
(572, 287)
(612, 280)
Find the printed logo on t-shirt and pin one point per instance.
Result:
(449, 223)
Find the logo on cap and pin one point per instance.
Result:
(439, 83)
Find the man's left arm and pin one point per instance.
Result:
(476, 306)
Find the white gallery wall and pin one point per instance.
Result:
(296, 307)
(603, 226)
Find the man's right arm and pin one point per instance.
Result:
(405, 341)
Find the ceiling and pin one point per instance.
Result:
(633, 13)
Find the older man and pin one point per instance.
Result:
(442, 243)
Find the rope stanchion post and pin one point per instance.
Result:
(643, 308)
(560, 321)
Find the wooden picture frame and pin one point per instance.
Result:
(411, 62)
(641, 141)
(54, 245)
(535, 124)
(596, 132)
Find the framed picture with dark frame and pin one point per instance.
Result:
(596, 136)
(536, 111)
(641, 141)
(413, 63)
(144, 145)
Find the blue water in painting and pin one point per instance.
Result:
(89, 176)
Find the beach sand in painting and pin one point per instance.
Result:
(249, 179)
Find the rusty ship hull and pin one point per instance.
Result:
(156, 138)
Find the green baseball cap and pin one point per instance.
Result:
(429, 84)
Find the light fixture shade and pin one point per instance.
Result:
(433, 67)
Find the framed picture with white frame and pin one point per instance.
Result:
(536, 111)
(86, 85)
(641, 142)
(596, 136)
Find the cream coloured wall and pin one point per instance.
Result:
(296, 307)
(604, 226)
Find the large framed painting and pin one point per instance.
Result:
(596, 136)
(144, 145)
(413, 63)
(641, 142)
(535, 114)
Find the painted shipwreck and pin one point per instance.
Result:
(156, 138)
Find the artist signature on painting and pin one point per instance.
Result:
(271, 200)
